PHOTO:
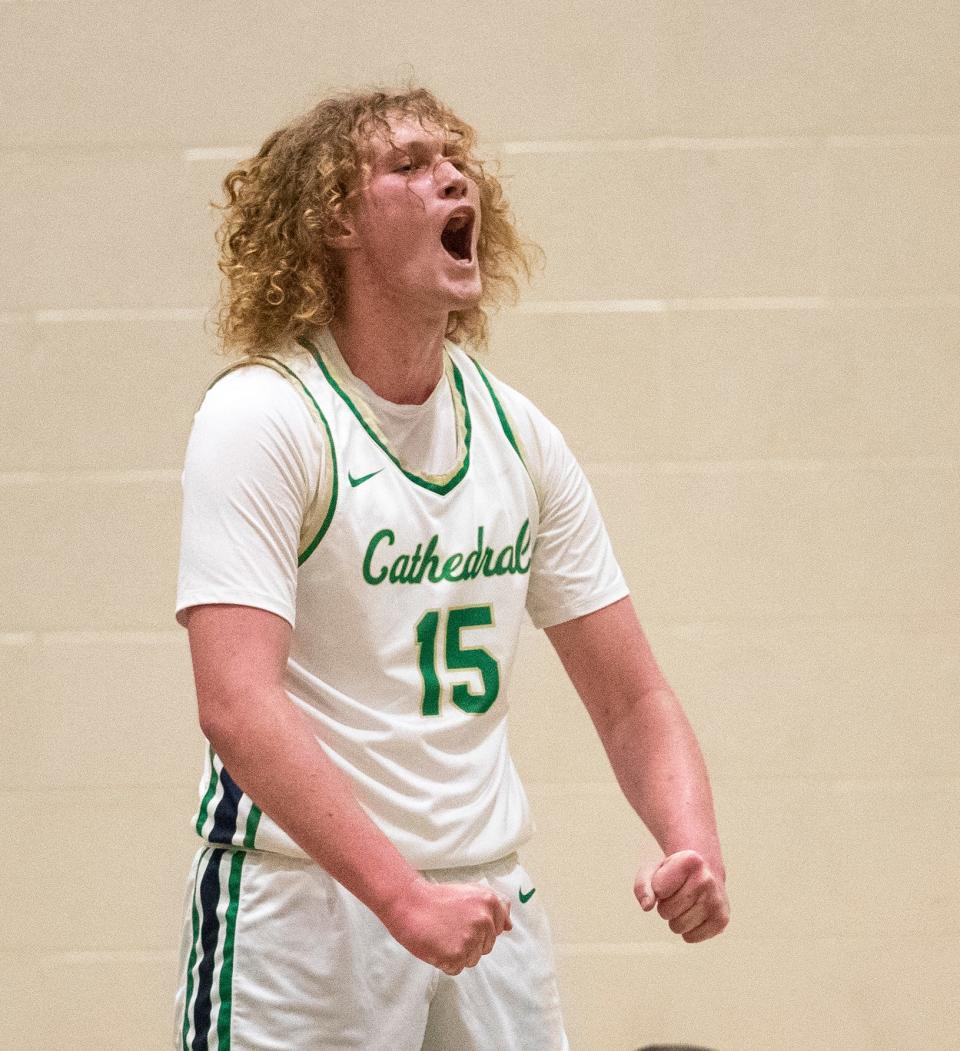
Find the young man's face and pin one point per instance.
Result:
(417, 221)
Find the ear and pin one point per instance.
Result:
(341, 234)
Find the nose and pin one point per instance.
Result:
(452, 181)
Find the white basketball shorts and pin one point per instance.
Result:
(277, 955)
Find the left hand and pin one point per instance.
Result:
(687, 893)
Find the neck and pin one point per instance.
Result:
(398, 354)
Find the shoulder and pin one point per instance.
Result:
(541, 442)
(253, 419)
(251, 389)
(253, 400)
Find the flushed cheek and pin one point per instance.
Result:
(407, 237)
(408, 261)
(393, 248)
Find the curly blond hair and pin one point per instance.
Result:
(280, 277)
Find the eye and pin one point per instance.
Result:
(407, 164)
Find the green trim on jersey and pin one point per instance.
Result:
(205, 802)
(335, 481)
(502, 416)
(278, 366)
(507, 426)
(253, 817)
(253, 821)
(440, 484)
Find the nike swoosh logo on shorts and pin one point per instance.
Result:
(524, 898)
(356, 481)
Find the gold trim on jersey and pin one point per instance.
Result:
(328, 359)
(320, 510)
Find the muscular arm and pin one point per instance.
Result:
(239, 654)
(655, 757)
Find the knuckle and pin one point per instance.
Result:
(690, 860)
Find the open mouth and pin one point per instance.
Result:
(457, 236)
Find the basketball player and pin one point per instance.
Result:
(368, 516)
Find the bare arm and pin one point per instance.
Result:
(239, 654)
(656, 760)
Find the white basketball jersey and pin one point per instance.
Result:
(411, 591)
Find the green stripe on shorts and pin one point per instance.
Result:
(226, 973)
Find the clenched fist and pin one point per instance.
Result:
(448, 925)
(687, 893)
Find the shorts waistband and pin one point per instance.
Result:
(469, 873)
(450, 874)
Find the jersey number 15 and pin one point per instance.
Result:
(456, 658)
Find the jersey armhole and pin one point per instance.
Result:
(509, 429)
(319, 512)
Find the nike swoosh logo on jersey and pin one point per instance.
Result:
(524, 898)
(356, 481)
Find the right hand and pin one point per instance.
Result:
(448, 925)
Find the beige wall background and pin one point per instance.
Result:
(747, 329)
